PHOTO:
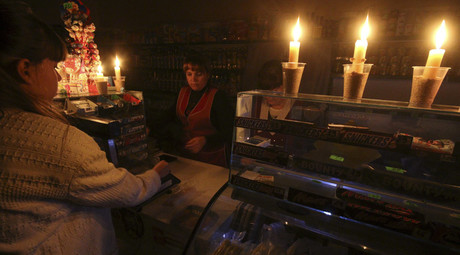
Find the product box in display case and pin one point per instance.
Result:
(313, 174)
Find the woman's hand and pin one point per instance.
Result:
(162, 168)
(195, 144)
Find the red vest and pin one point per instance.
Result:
(198, 123)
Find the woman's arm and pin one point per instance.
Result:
(97, 182)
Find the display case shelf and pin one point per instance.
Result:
(296, 186)
(364, 104)
(346, 232)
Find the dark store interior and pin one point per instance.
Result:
(256, 31)
(176, 153)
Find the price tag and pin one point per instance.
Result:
(375, 196)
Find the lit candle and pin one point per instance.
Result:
(117, 69)
(99, 73)
(435, 56)
(295, 45)
(359, 56)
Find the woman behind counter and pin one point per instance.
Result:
(270, 77)
(203, 117)
(56, 185)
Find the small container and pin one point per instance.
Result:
(101, 85)
(426, 81)
(292, 75)
(119, 84)
(354, 80)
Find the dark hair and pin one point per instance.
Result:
(270, 75)
(198, 62)
(24, 36)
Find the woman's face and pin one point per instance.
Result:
(44, 80)
(196, 79)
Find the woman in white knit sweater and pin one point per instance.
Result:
(56, 185)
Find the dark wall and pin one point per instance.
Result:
(144, 13)
(141, 14)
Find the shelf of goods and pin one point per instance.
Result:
(115, 121)
(327, 176)
(160, 66)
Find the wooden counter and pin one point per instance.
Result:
(168, 220)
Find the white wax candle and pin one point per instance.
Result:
(294, 51)
(99, 73)
(117, 69)
(360, 51)
(435, 55)
(359, 55)
(294, 46)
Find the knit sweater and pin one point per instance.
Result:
(57, 188)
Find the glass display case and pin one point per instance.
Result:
(314, 174)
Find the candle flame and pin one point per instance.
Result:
(441, 35)
(117, 62)
(296, 31)
(365, 30)
(99, 69)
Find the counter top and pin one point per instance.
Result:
(199, 182)
(168, 220)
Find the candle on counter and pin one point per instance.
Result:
(359, 55)
(99, 73)
(117, 69)
(435, 56)
(294, 46)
